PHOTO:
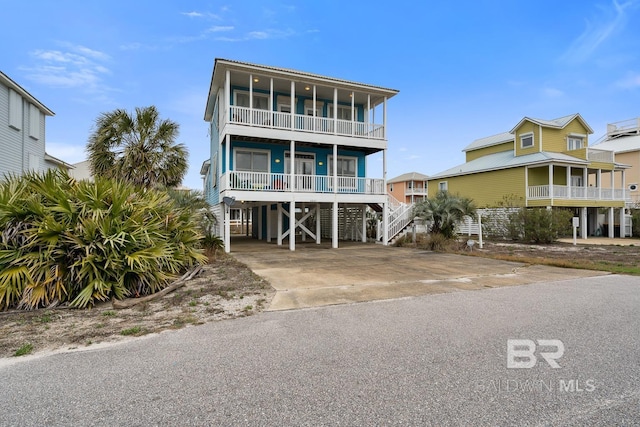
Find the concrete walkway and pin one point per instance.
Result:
(316, 275)
(627, 241)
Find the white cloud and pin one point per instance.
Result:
(220, 28)
(632, 81)
(193, 14)
(551, 92)
(76, 66)
(611, 21)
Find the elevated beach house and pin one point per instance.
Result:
(544, 163)
(290, 148)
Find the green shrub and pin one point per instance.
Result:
(539, 225)
(635, 217)
(81, 242)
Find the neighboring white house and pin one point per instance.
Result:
(81, 170)
(22, 131)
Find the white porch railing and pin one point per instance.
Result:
(604, 156)
(303, 123)
(583, 193)
(279, 182)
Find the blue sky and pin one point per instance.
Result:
(465, 70)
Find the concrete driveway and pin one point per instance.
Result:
(316, 275)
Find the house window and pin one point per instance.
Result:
(391, 187)
(214, 170)
(34, 122)
(344, 112)
(260, 100)
(443, 186)
(526, 140)
(574, 143)
(15, 109)
(347, 166)
(252, 161)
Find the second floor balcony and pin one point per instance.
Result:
(581, 193)
(281, 182)
(304, 123)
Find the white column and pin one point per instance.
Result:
(384, 169)
(622, 223)
(364, 223)
(599, 183)
(251, 93)
(569, 181)
(227, 91)
(292, 165)
(302, 232)
(385, 222)
(318, 222)
(227, 228)
(247, 216)
(335, 110)
(313, 127)
(335, 168)
(334, 225)
(480, 229)
(269, 232)
(611, 223)
(384, 118)
(293, 103)
(583, 223)
(526, 185)
(551, 183)
(259, 222)
(241, 220)
(227, 157)
(292, 225)
(353, 113)
(585, 182)
(279, 213)
(271, 118)
(366, 117)
(624, 185)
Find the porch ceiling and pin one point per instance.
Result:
(299, 144)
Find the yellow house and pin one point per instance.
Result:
(546, 163)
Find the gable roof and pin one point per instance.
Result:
(507, 160)
(489, 141)
(620, 145)
(6, 80)
(558, 123)
(409, 176)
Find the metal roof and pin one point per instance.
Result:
(489, 141)
(622, 144)
(558, 123)
(6, 80)
(507, 160)
(409, 176)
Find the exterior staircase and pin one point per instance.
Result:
(400, 217)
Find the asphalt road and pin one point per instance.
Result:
(431, 360)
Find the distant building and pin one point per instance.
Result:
(409, 187)
(22, 131)
(623, 138)
(81, 170)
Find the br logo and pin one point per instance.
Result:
(521, 354)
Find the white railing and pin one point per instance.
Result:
(583, 193)
(623, 126)
(303, 123)
(262, 181)
(403, 216)
(605, 156)
(421, 191)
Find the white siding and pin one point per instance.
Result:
(10, 137)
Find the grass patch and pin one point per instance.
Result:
(136, 330)
(23, 350)
(109, 313)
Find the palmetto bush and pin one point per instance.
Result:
(81, 242)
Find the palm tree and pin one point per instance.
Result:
(444, 211)
(139, 149)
